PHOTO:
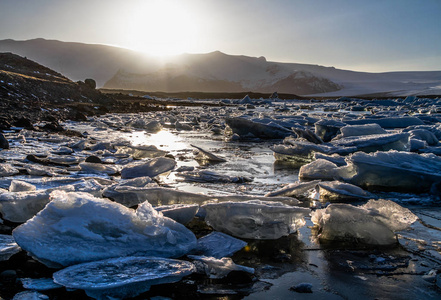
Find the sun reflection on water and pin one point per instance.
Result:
(164, 140)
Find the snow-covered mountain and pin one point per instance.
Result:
(119, 68)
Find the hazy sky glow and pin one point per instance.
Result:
(374, 35)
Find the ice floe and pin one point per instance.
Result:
(255, 219)
(120, 278)
(76, 227)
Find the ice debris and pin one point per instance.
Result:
(77, 227)
(40, 284)
(122, 278)
(8, 247)
(218, 245)
(255, 219)
(152, 168)
(181, 213)
(373, 223)
(216, 268)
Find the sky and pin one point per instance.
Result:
(359, 35)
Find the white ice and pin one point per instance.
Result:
(373, 223)
(77, 227)
(255, 219)
(216, 268)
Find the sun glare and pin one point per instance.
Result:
(162, 28)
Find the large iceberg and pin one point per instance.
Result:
(121, 278)
(77, 227)
(373, 223)
(255, 219)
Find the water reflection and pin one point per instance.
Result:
(163, 139)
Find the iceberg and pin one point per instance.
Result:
(373, 223)
(121, 278)
(77, 227)
(255, 219)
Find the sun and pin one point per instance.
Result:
(162, 28)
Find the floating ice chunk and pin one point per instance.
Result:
(157, 196)
(255, 219)
(394, 215)
(40, 284)
(8, 247)
(76, 227)
(241, 198)
(97, 168)
(30, 295)
(328, 129)
(334, 158)
(358, 130)
(375, 142)
(307, 135)
(21, 206)
(368, 224)
(207, 156)
(218, 245)
(400, 171)
(333, 191)
(217, 268)
(151, 168)
(181, 213)
(21, 186)
(388, 122)
(261, 128)
(424, 135)
(210, 176)
(297, 189)
(121, 278)
(139, 152)
(318, 169)
(8, 170)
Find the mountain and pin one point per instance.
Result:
(35, 92)
(119, 68)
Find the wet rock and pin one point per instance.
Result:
(302, 288)
(4, 144)
(93, 159)
(25, 123)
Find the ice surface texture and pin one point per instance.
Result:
(217, 268)
(151, 168)
(255, 219)
(122, 277)
(8, 247)
(77, 227)
(373, 223)
(393, 170)
(218, 245)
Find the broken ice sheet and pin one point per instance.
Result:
(181, 213)
(77, 227)
(40, 284)
(218, 245)
(122, 277)
(374, 223)
(217, 268)
(255, 219)
(8, 247)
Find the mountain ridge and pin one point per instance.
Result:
(119, 68)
